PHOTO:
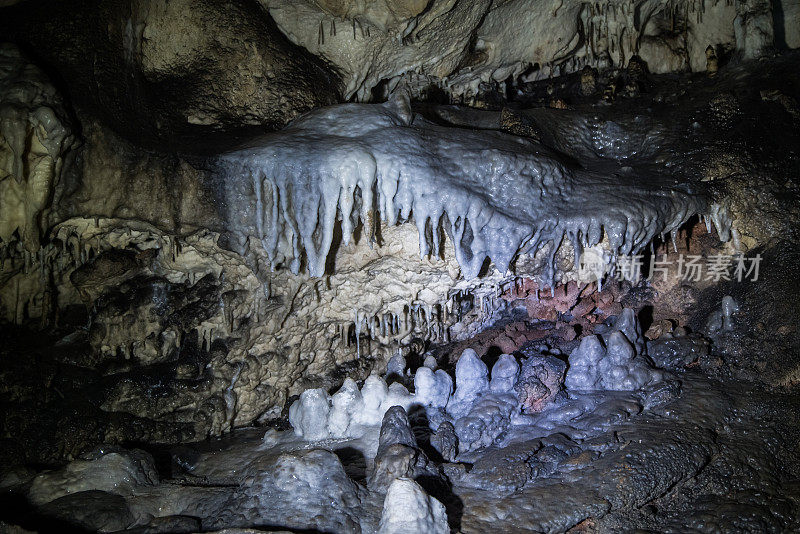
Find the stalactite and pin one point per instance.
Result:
(303, 208)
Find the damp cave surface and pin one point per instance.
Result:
(399, 267)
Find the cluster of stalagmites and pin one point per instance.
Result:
(471, 418)
(110, 489)
(482, 407)
(415, 481)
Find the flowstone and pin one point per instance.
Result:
(357, 164)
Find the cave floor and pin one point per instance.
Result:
(721, 457)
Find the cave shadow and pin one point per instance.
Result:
(491, 356)
(439, 488)
(421, 428)
(336, 243)
(443, 492)
(354, 463)
(645, 317)
(371, 232)
(17, 511)
(778, 24)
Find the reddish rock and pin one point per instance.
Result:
(541, 378)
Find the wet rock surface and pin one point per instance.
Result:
(716, 454)
(662, 476)
(308, 487)
(541, 378)
(140, 307)
(408, 508)
(698, 462)
(763, 340)
(92, 510)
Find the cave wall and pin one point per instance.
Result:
(459, 46)
(173, 75)
(114, 201)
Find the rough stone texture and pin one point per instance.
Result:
(408, 508)
(398, 455)
(432, 388)
(615, 366)
(116, 471)
(445, 441)
(309, 414)
(653, 463)
(344, 403)
(36, 142)
(486, 421)
(507, 469)
(396, 461)
(381, 12)
(93, 510)
(472, 380)
(505, 373)
(464, 48)
(720, 456)
(175, 73)
(541, 378)
(295, 490)
(383, 163)
(52, 409)
(675, 353)
(395, 429)
(368, 51)
(763, 343)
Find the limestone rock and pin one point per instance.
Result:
(395, 429)
(178, 73)
(617, 365)
(505, 373)
(309, 414)
(407, 508)
(472, 380)
(432, 388)
(294, 490)
(92, 510)
(445, 441)
(36, 143)
(107, 469)
(398, 455)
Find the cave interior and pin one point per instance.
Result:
(399, 266)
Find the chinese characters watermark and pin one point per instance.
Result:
(595, 265)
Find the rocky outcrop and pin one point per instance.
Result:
(175, 74)
(37, 142)
(464, 49)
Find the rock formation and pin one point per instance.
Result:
(399, 266)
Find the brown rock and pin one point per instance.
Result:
(178, 74)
